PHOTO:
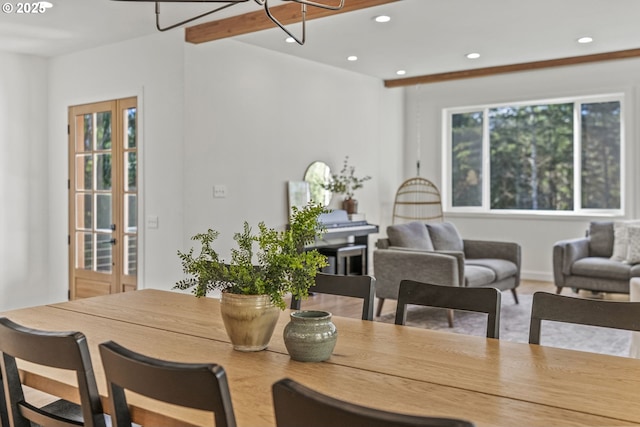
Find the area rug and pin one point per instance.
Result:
(514, 326)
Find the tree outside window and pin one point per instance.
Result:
(531, 151)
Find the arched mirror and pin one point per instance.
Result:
(317, 174)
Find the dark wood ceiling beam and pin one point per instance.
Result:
(502, 69)
(257, 21)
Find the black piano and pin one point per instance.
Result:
(342, 239)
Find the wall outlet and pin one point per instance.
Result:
(219, 191)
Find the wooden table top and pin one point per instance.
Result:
(397, 368)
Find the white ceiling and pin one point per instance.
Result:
(423, 36)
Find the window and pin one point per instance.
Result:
(562, 156)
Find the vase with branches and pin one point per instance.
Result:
(346, 182)
(280, 266)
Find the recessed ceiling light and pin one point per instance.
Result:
(473, 55)
(290, 40)
(401, 72)
(585, 40)
(352, 58)
(382, 18)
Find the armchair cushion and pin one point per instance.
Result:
(500, 267)
(445, 237)
(476, 276)
(412, 235)
(600, 267)
(601, 238)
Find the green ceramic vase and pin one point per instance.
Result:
(310, 336)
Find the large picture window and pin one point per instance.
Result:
(562, 156)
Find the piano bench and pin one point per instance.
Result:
(344, 254)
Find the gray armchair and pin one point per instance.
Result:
(589, 262)
(435, 253)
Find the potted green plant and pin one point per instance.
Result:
(253, 294)
(346, 182)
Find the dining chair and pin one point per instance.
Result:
(347, 286)
(294, 402)
(590, 312)
(201, 386)
(61, 350)
(481, 300)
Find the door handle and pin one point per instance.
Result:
(112, 241)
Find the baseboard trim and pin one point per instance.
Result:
(536, 275)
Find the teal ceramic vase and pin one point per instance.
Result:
(310, 336)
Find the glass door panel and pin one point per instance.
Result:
(84, 211)
(131, 213)
(84, 172)
(84, 253)
(104, 222)
(131, 255)
(130, 119)
(104, 253)
(103, 127)
(103, 171)
(131, 176)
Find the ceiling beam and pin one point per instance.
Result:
(257, 21)
(502, 69)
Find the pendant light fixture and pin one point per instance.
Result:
(262, 3)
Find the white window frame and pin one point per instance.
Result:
(447, 183)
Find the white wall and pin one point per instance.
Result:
(255, 119)
(220, 113)
(536, 235)
(151, 68)
(24, 259)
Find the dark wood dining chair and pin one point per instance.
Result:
(294, 402)
(193, 385)
(346, 286)
(61, 350)
(560, 308)
(481, 300)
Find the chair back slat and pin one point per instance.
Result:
(481, 300)
(348, 286)
(559, 308)
(4, 416)
(297, 405)
(194, 385)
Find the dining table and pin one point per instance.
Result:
(405, 369)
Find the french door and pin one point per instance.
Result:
(103, 198)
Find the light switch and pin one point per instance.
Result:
(219, 191)
(152, 221)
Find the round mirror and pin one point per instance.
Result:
(317, 174)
